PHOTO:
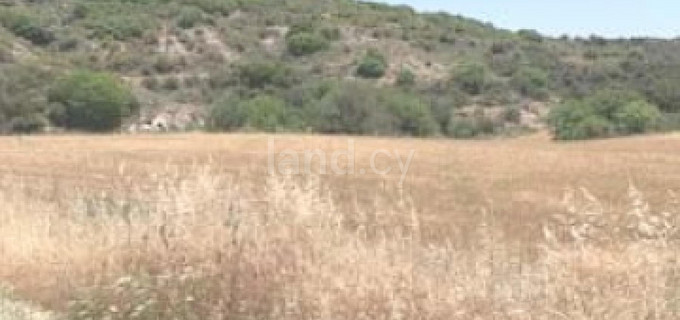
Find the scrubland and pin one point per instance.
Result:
(195, 227)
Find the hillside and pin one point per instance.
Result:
(333, 66)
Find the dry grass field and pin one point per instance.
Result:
(195, 227)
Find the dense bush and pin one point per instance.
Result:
(227, 114)
(353, 108)
(471, 126)
(308, 37)
(506, 64)
(494, 68)
(23, 105)
(636, 116)
(190, 17)
(305, 43)
(512, 114)
(471, 78)
(223, 7)
(444, 104)
(331, 33)
(168, 64)
(119, 27)
(359, 108)
(90, 101)
(604, 114)
(260, 74)
(411, 114)
(666, 94)
(406, 78)
(373, 65)
(171, 83)
(531, 82)
(151, 83)
(531, 35)
(501, 47)
(26, 26)
(31, 123)
(265, 112)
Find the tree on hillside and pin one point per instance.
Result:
(90, 101)
(604, 114)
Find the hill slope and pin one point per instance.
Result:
(329, 66)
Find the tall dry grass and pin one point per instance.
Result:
(199, 243)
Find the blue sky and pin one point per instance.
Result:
(610, 18)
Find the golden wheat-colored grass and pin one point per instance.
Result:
(193, 227)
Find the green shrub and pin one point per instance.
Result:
(167, 64)
(151, 83)
(576, 120)
(531, 82)
(501, 47)
(462, 128)
(636, 116)
(26, 26)
(27, 124)
(171, 83)
(90, 101)
(266, 113)
(512, 114)
(223, 7)
(412, 116)
(304, 26)
(373, 65)
(669, 122)
(305, 43)
(666, 94)
(306, 37)
(353, 108)
(444, 104)
(530, 35)
(497, 92)
(604, 114)
(23, 103)
(119, 27)
(79, 11)
(227, 114)
(471, 78)
(260, 74)
(331, 33)
(506, 64)
(591, 54)
(361, 108)
(68, 44)
(406, 78)
(190, 17)
(467, 127)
